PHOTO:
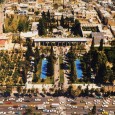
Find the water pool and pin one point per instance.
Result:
(78, 69)
(44, 69)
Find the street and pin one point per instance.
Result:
(66, 107)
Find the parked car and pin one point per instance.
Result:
(27, 100)
(8, 102)
(37, 99)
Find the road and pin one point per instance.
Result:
(62, 109)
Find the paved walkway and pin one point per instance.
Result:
(56, 69)
(65, 71)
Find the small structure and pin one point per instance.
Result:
(97, 37)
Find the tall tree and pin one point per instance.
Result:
(41, 28)
(43, 15)
(92, 45)
(94, 110)
(101, 45)
(37, 54)
(62, 21)
(19, 89)
(48, 14)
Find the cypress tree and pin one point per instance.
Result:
(41, 28)
(101, 45)
(48, 14)
(43, 15)
(37, 54)
(92, 45)
(62, 21)
(94, 110)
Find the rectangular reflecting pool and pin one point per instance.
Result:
(78, 69)
(44, 69)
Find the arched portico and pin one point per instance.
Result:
(59, 41)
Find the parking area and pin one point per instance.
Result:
(56, 105)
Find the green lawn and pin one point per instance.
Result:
(48, 79)
(61, 71)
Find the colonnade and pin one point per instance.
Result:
(68, 43)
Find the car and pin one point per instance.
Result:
(11, 112)
(8, 102)
(69, 100)
(73, 103)
(46, 102)
(113, 103)
(50, 99)
(44, 110)
(104, 105)
(74, 113)
(32, 105)
(90, 108)
(19, 108)
(48, 111)
(37, 99)
(74, 107)
(86, 107)
(21, 99)
(18, 112)
(10, 108)
(11, 99)
(82, 101)
(1, 112)
(88, 102)
(27, 101)
(18, 100)
(61, 102)
(23, 106)
(68, 105)
(101, 110)
(105, 113)
(29, 73)
(15, 106)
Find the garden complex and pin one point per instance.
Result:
(57, 57)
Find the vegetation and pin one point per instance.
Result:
(16, 23)
(95, 65)
(94, 110)
(1, 1)
(71, 58)
(13, 68)
(61, 70)
(48, 23)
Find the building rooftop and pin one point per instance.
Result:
(61, 39)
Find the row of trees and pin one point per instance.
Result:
(49, 22)
(71, 58)
(94, 64)
(51, 60)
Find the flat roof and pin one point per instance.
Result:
(60, 39)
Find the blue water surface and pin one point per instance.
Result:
(78, 69)
(44, 69)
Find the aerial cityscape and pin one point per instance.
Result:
(57, 57)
